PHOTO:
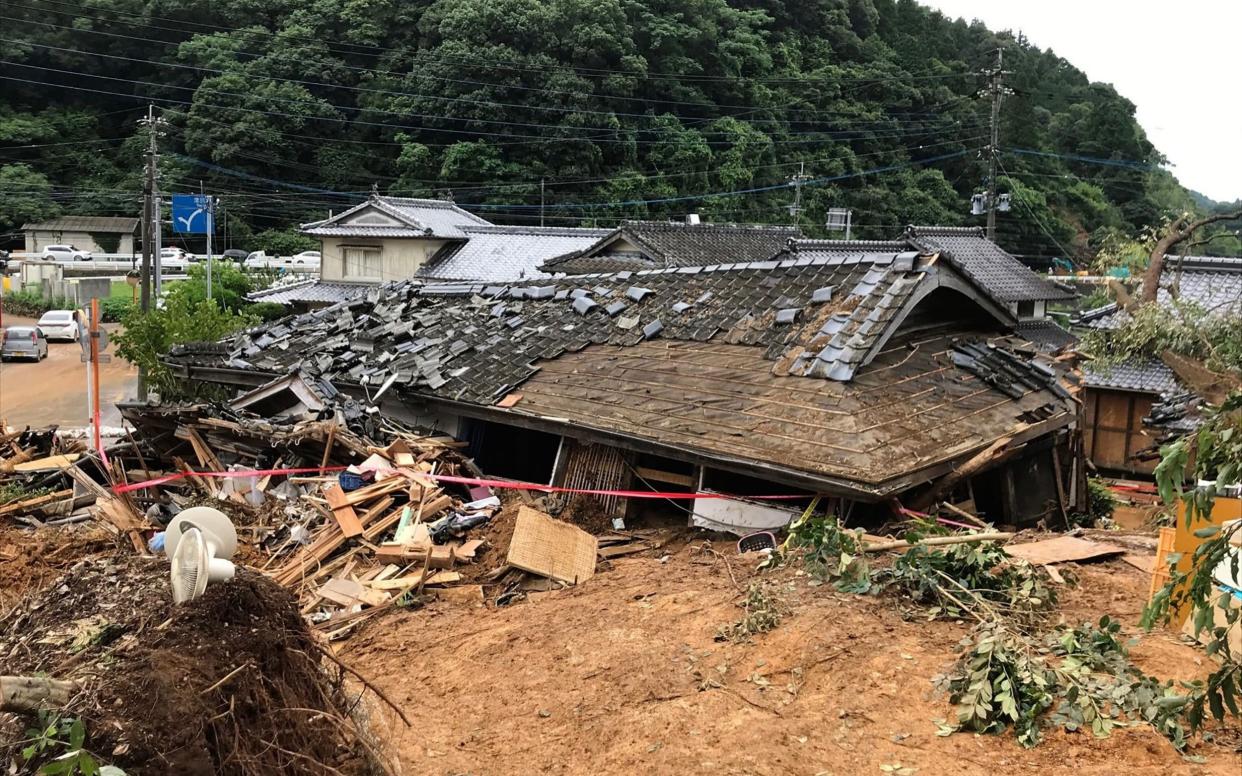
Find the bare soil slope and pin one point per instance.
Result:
(624, 675)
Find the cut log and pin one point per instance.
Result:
(31, 693)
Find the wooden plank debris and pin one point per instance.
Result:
(48, 464)
(345, 516)
(1062, 549)
(551, 548)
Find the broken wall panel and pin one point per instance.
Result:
(595, 467)
(739, 517)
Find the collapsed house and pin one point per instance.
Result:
(863, 372)
(1119, 398)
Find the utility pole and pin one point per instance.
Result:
(148, 193)
(211, 227)
(541, 200)
(795, 209)
(996, 91)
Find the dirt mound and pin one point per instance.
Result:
(624, 674)
(29, 559)
(228, 684)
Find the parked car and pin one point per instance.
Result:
(64, 253)
(233, 254)
(260, 260)
(60, 325)
(23, 342)
(305, 258)
(175, 254)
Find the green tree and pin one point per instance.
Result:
(25, 195)
(146, 337)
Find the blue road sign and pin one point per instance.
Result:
(190, 213)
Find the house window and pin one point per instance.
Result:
(362, 264)
(1026, 309)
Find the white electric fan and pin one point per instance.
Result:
(199, 542)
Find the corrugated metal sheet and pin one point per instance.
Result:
(500, 253)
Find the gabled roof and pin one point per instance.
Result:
(104, 224)
(1211, 282)
(986, 263)
(500, 253)
(398, 217)
(666, 244)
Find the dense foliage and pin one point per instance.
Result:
(1211, 455)
(625, 108)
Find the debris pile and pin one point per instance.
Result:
(231, 683)
(350, 522)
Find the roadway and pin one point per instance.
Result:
(53, 391)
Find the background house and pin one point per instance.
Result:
(1118, 397)
(387, 238)
(97, 234)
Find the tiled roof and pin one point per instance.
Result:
(418, 218)
(1147, 376)
(986, 263)
(106, 224)
(315, 291)
(1045, 333)
(720, 360)
(1212, 282)
(500, 253)
(668, 244)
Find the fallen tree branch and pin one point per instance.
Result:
(366, 683)
(939, 541)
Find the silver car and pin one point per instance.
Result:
(22, 342)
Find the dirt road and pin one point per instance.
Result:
(53, 391)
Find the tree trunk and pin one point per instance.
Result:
(31, 693)
(1179, 231)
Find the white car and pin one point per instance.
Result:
(310, 258)
(175, 254)
(64, 253)
(60, 325)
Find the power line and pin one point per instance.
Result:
(315, 102)
(506, 64)
(466, 100)
(373, 71)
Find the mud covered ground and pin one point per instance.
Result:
(624, 675)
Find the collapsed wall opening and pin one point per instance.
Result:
(511, 452)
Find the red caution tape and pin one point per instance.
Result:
(502, 484)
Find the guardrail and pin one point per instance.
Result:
(124, 263)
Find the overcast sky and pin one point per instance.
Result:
(1187, 95)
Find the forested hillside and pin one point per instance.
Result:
(622, 108)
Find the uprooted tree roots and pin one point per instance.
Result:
(232, 683)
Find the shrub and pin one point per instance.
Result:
(114, 309)
(267, 311)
